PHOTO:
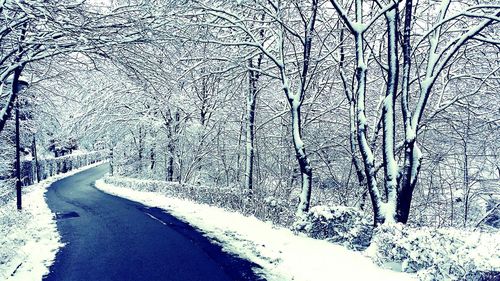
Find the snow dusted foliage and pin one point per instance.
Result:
(259, 203)
(53, 166)
(341, 225)
(437, 254)
(6, 190)
(47, 168)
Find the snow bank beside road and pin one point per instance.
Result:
(281, 254)
(29, 239)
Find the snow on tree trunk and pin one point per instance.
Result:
(302, 159)
(352, 123)
(364, 146)
(295, 103)
(253, 77)
(388, 117)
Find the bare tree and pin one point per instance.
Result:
(399, 183)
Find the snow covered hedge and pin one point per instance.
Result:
(48, 168)
(338, 224)
(53, 166)
(437, 254)
(259, 203)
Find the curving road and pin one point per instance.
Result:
(111, 238)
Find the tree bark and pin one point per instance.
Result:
(250, 130)
(35, 157)
(152, 156)
(253, 78)
(17, 72)
(391, 173)
(302, 159)
(15, 88)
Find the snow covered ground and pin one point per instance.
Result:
(29, 239)
(282, 254)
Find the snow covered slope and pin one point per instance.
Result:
(29, 239)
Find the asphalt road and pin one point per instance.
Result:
(111, 238)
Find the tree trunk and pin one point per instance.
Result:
(170, 164)
(152, 157)
(35, 157)
(8, 110)
(111, 162)
(250, 135)
(405, 186)
(302, 159)
(466, 184)
(364, 147)
(408, 181)
(391, 172)
(172, 133)
(140, 149)
(352, 124)
(253, 77)
(240, 141)
(17, 72)
(15, 88)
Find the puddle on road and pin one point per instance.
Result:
(67, 215)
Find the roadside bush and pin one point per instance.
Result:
(338, 224)
(257, 203)
(437, 254)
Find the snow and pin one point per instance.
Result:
(282, 254)
(410, 133)
(437, 253)
(28, 238)
(417, 156)
(79, 152)
(306, 186)
(389, 211)
(27, 157)
(358, 27)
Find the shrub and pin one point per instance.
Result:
(258, 203)
(339, 225)
(437, 254)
